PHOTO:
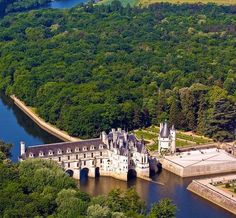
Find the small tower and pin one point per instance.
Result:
(22, 148)
(166, 139)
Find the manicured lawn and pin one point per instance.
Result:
(219, 2)
(196, 139)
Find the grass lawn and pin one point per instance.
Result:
(148, 2)
(219, 2)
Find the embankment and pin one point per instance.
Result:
(41, 123)
(209, 192)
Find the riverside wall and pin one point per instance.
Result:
(198, 170)
(212, 195)
(41, 123)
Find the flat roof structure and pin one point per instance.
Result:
(200, 162)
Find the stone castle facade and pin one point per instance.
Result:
(117, 154)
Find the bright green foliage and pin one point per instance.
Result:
(97, 211)
(163, 209)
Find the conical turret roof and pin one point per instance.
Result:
(165, 131)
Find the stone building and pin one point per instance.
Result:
(117, 154)
(166, 139)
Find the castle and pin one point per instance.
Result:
(166, 139)
(117, 154)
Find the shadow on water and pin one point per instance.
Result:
(15, 126)
(189, 205)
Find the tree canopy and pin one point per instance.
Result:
(94, 67)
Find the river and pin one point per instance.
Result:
(16, 126)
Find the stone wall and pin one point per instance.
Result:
(198, 170)
(213, 196)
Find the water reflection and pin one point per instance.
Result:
(16, 126)
(189, 205)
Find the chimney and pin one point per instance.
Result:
(22, 148)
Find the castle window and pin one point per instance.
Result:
(68, 164)
(91, 154)
(50, 152)
(100, 153)
(68, 150)
(59, 151)
(31, 154)
(77, 156)
(92, 147)
(84, 148)
(93, 162)
(68, 157)
(41, 154)
(78, 164)
(77, 149)
(84, 163)
(100, 146)
(59, 159)
(84, 155)
(100, 160)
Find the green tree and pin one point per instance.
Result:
(222, 124)
(163, 209)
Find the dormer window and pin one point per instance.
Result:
(68, 150)
(50, 152)
(84, 148)
(59, 151)
(100, 146)
(41, 154)
(77, 149)
(92, 147)
(31, 154)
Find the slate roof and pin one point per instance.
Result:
(63, 146)
(165, 131)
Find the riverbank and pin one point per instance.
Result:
(41, 123)
(205, 189)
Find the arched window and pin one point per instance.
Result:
(50, 152)
(100, 146)
(59, 151)
(92, 147)
(31, 154)
(41, 154)
(68, 150)
(84, 148)
(77, 149)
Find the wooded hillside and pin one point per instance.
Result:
(94, 67)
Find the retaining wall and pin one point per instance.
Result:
(213, 196)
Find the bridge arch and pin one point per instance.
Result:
(97, 172)
(84, 173)
(70, 172)
(131, 174)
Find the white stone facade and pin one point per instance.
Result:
(117, 154)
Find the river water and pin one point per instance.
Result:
(16, 126)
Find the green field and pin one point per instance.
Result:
(150, 135)
(148, 2)
(219, 2)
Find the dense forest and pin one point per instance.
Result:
(40, 188)
(7, 6)
(94, 66)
